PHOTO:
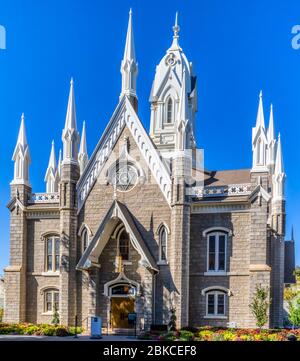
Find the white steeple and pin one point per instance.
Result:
(129, 66)
(271, 149)
(166, 94)
(83, 155)
(279, 175)
(70, 136)
(51, 176)
(21, 157)
(259, 141)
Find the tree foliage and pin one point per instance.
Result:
(55, 319)
(294, 312)
(260, 305)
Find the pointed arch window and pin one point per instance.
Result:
(169, 113)
(163, 236)
(124, 245)
(84, 239)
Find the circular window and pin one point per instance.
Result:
(124, 177)
(171, 59)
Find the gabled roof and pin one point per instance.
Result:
(117, 213)
(124, 115)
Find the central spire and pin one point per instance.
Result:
(129, 66)
(176, 29)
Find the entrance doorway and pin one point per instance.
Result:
(120, 308)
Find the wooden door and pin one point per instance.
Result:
(120, 307)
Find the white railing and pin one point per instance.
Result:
(223, 191)
(43, 198)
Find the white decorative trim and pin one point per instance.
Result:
(215, 229)
(120, 279)
(216, 288)
(35, 198)
(223, 191)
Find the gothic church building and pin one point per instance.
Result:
(123, 231)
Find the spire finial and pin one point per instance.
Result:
(83, 155)
(129, 66)
(176, 27)
(260, 121)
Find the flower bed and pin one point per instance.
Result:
(38, 330)
(224, 334)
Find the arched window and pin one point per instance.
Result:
(259, 152)
(169, 115)
(52, 254)
(84, 239)
(163, 244)
(215, 303)
(51, 300)
(124, 245)
(216, 251)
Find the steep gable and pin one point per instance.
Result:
(123, 116)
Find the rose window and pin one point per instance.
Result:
(125, 177)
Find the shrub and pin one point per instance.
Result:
(1, 314)
(294, 312)
(260, 305)
(186, 335)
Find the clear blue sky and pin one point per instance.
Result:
(237, 47)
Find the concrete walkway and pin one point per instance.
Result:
(68, 338)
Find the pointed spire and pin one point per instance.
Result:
(279, 175)
(83, 155)
(129, 67)
(51, 172)
(129, 52)
(21, 156)
(271, 131)
(70, 136)
(71, 110)
(176, 29)
(292, 234)
(260, 120)
(279, 168)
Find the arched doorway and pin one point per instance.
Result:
(122, 303)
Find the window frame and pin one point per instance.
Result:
(55, 262)
(53, 292)
(84, 237)
(216, 293)
(167, 111)
(128, 245)
(216, 233)
(163, 230)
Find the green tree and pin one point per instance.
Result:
(294, 312)
(55, 319)
(260, 305)
(173, 318)
(1, 313)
